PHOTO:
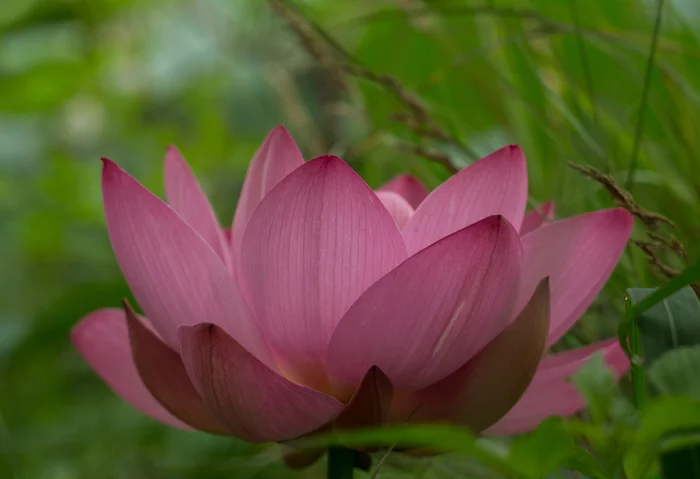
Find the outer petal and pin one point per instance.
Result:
(370, 404)
(551, 394)
(430, 315)
(482, 391)
(495, 185)
(163, 373)
(174, 274)
(102, 339)
(252, 401)
(277, 157)
(577, 254)
(409, 188)
(187, 198)
(397, 206)
(538, 217)
(314, 244)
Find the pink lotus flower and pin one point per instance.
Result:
(329, 304)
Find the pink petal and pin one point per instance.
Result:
(174, 274)
(397, 206)
(187, 198)
(551, 393)
(577, 254)
(163, 373)
(371, 403)
(277, 157)
(431, 314)
(255, 403)
(102, 339)
(494, 185)
(479, 393)
(314, 244)
(409, 188)
(538, 217)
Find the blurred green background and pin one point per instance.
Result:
(124, 78)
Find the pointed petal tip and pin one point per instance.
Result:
(407, 186)
(130, 314)
(126, 305)
(189, 330)
(112, 172)
(500, 224)
(102, 340)
(172, 153)
(516, 153)
(280, 133)
(408, 178)
(107, 164)
(379, 375)
(331, 163)
(78, 330)
(280, 130)
(622, 216)
(84, 325)
(329, 160)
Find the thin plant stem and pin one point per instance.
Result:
(645, 95)
(341, 462)
(585, 65)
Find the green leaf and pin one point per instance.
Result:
(667, 336)
(642, 302)
(441, 438)
(663, 419)
(673, 322)
(676, 373)
(550, 448)
(596, 383)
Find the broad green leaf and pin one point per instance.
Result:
(673, 322)
(677, 372)
(644, 299)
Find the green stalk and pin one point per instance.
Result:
(639, 380)
(341, 462)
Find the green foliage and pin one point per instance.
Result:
(667, 317)
(668, 341)
(676, 373)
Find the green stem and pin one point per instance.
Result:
(341, 462)
(639, 380)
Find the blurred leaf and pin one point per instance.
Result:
(677, 372)
(440, 438)
(596, 383)
(548, 449)
(662, 419)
